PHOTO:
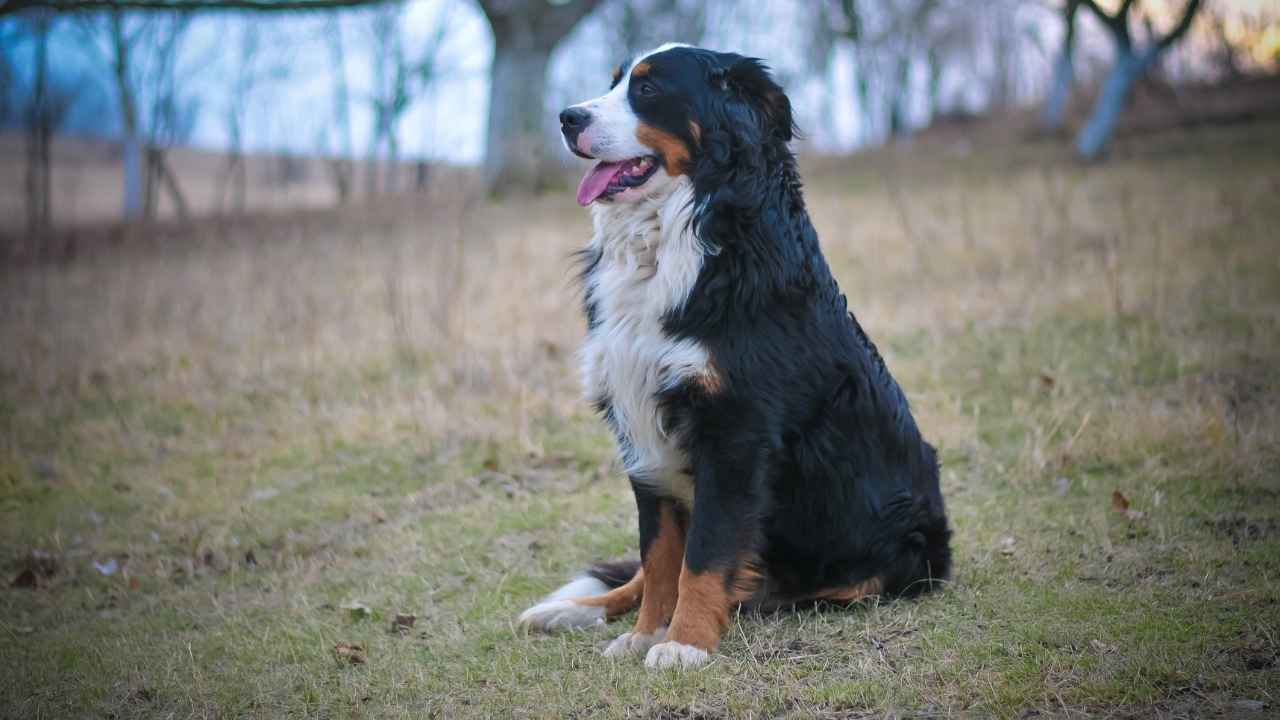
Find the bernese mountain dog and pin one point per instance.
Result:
(774, 459)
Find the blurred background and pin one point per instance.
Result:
(118, 112)
(288, 330)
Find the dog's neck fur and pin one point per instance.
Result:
(646, 261)
(652, 241)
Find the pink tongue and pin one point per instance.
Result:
(596, 180)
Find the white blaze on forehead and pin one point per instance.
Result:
(661, 48)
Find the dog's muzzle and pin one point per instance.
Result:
(572, 122)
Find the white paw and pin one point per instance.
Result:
(558, 615)
(674, 654)
(633, 643)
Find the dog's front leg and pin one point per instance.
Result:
(728, 497)
(662, 535)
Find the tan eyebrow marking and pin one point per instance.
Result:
(641, 70)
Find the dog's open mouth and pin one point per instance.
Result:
(606, 179)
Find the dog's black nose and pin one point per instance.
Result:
(573, 120)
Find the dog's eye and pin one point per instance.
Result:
(647, 89)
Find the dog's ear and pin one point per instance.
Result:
(750, 79)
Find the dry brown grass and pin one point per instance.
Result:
(383, 405)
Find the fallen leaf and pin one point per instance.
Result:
(403, 623)
(350, 652)
(1119, 502)
(379, 517)
(134, 583)
(107, 568)
(1047, 380)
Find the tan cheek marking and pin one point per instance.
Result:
(619, 600)
(703, 612)
(670, 149)
(662, 573)
(709, 380)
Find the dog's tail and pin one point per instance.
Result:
(614, 574)
(576, 604)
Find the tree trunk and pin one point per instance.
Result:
(517, 156)
(170, 180)
(130, 144)
(392, 183)
(1054, 113)
(518, 153)
(342, 166)
(1127, 68)
(899, 123)
(131, 150)
(371, 170)
(150, 194)
(39, 127)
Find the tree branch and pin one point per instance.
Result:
(1183, 25)
(8, 7)
(1118, 23)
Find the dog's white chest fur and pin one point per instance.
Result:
(649, 261)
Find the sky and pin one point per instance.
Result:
(291, 107)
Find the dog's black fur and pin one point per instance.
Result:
(807, 458)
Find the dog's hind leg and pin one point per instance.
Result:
(584, 602)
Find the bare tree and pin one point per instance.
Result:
(517, 153)
(250, 73)
(644, 24)
(399, 79)
(49, 101)
(117, 52)
(8, 7)
(172, 115)
(38, 181)
(1132, 60)
(341, 167)
(891, 40)
(156, 113)
(1053, 114)
(6, 73)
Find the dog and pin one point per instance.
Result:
(774, 460)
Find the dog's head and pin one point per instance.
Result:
(675, 111)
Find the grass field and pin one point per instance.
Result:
(227, 462)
